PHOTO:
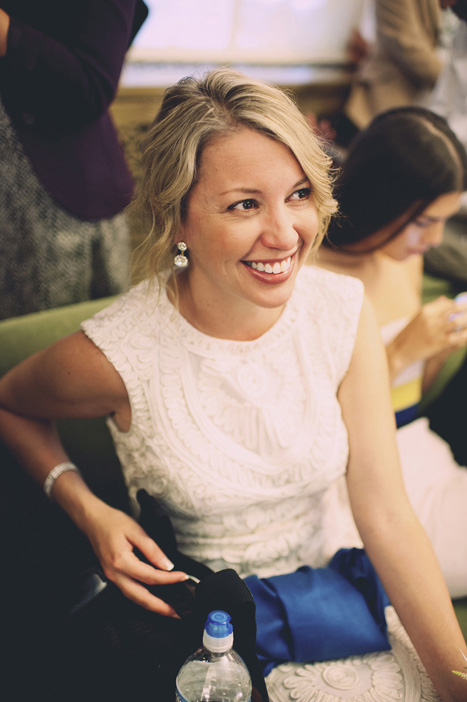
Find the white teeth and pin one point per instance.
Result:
(276, 268)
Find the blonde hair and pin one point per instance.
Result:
(193, 113)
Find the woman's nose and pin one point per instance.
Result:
(434, 234)
(279, 230)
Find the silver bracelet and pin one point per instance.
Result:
(55, 473)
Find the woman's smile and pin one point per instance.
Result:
(271, 272)
(249, 227)
(274, 267)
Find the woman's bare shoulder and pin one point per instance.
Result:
(72, 377)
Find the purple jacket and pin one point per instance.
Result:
(60, 74)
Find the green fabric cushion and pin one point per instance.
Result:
(434, 287)
(22, 336)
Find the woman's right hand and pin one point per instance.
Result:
(439, 328)
(114, 536)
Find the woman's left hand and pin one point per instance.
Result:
(114, 537)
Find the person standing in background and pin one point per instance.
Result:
(64, 182)
(449, 99)
(402, 64)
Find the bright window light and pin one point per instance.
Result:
(247, 31)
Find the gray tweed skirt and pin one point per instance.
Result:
(49, 258)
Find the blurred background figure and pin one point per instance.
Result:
(64, 182)
(400, 65)
(449, 99)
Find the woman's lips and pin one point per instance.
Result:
(271, 267)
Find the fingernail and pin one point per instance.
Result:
(168, 565)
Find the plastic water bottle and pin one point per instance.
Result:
(214, 673)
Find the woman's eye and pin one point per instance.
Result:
(243, 205)
(301, 194)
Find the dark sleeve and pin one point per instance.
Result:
(69, 80)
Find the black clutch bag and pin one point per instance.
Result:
(111, 648)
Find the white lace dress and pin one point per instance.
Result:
(240, 441)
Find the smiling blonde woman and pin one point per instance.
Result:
(239, 408)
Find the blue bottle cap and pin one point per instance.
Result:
(218, 624)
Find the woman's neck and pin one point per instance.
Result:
(381, 276)
(349, 262)
(245, 323)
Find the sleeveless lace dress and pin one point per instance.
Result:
(240, 441)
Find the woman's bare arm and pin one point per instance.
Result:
(392, 535)
(73, 379)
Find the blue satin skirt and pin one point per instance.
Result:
(318, 614)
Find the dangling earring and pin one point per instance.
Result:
(180, 260)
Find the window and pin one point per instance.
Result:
(261, 33)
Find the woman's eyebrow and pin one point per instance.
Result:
(251, 191)
(255, 191)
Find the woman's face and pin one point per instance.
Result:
(250, 224)
(425, 231)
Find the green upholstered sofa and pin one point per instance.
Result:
(31, 524)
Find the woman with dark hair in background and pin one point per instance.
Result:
(402, 179)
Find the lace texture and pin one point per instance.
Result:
(239, 440)
(374, 677)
